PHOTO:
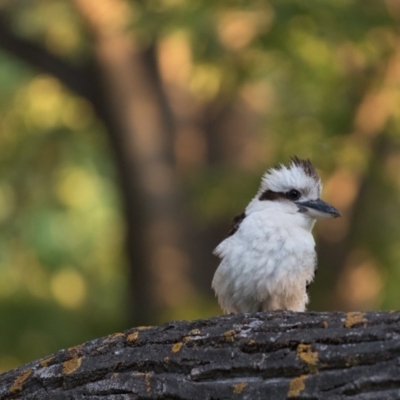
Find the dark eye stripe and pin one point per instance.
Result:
(292, 195)
(273, 196)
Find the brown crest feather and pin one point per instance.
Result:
(307, 167)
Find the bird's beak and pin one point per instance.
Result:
(318, 209)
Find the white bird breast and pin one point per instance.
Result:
(266, 264)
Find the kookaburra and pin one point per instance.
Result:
(269, 259)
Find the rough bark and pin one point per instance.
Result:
(251, 356)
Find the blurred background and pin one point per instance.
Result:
(131, 132)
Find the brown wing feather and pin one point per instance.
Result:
(236, 223)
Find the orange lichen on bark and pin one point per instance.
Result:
(296, 386)
(113, 336)
(147, 382)
(230, 335)
(71, 365)
(353, 318)
(44, 363)
(132, 337)
(239, 387)
(17, 385)
(176, 347)
(306, 354)
(74, 361)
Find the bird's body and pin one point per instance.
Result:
(269, 258)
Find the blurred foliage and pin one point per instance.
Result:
(304, 69)
(61, 262)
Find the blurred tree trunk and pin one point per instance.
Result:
(124, 86)
(140, 126)
(371, 116)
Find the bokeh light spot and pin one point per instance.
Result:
(77, 188)
(68, 288)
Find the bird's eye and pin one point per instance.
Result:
(293, 194)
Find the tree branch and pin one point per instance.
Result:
(252, 356)
(77, 79)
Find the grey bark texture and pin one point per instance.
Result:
(274, 355)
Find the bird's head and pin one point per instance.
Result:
(295, 189)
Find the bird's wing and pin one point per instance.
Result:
(236, 223)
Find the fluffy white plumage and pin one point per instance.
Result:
(269, 258)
